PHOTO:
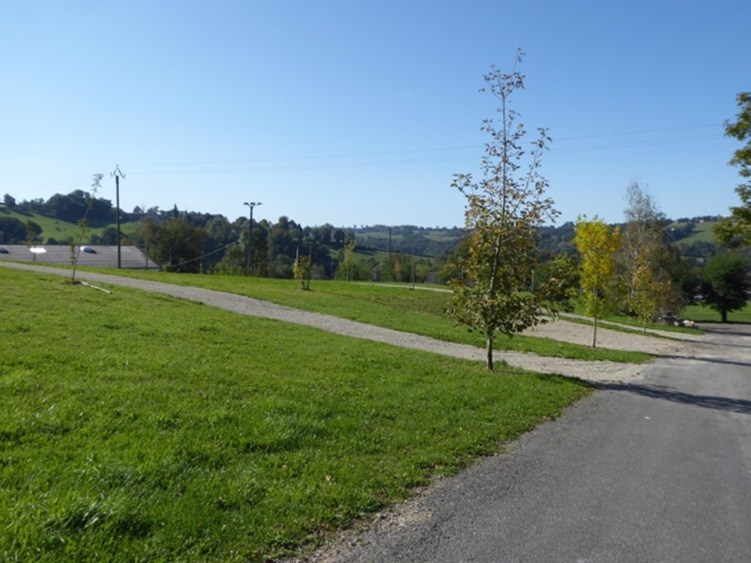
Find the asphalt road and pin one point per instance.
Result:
(657, 471)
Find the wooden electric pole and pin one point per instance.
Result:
(117, 174)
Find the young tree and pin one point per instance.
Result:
(302, 270)
(346, 260)
(649, 295)
(597, 244)
(726, 286)
(737, 228)
(33, 232)
(502, 214)
(83, 224)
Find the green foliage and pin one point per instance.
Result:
(557, 282)
(174, 244)
(597, 244)
(503, 213)
(136, 427)
(649, 268)
(33, 232)
(12, 231)
(726, 286)
(346, 261)
(737, 229)
(302, 269)
(73, 206)
(648, 296)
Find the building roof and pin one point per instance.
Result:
(89, 255)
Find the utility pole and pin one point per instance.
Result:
(251, 205)
(389, 246)
(117, 174)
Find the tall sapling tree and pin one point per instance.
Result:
(503, 213)
(83, 226)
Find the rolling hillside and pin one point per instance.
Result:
(61, 230)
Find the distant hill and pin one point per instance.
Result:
(695, 237)
(409, 239)
(692, 236)
(57, 230)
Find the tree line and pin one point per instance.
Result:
(193, 242)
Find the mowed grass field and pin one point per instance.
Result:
(705, 314)
(137, 427)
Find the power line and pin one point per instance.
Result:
(411, 156)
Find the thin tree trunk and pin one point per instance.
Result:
(490, 352)
(594, 335)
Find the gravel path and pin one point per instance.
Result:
(598, 372)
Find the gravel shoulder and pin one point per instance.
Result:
(677, 345)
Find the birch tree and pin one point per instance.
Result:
(643, 256)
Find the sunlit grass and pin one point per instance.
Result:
(138, 427)
(706, 314)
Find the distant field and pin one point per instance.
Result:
(54, 228)
(137, 427)
(702, 232)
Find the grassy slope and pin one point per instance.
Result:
(419, 312)
(57, 229)
(139, 427)
(703, 231)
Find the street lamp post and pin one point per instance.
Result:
(251, 205)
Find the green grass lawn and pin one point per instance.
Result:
(398, 308)
(706, 314)
(138, 427)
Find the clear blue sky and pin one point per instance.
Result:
(358, 112)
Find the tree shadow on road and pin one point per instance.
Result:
(705, 359)
(740, 406)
